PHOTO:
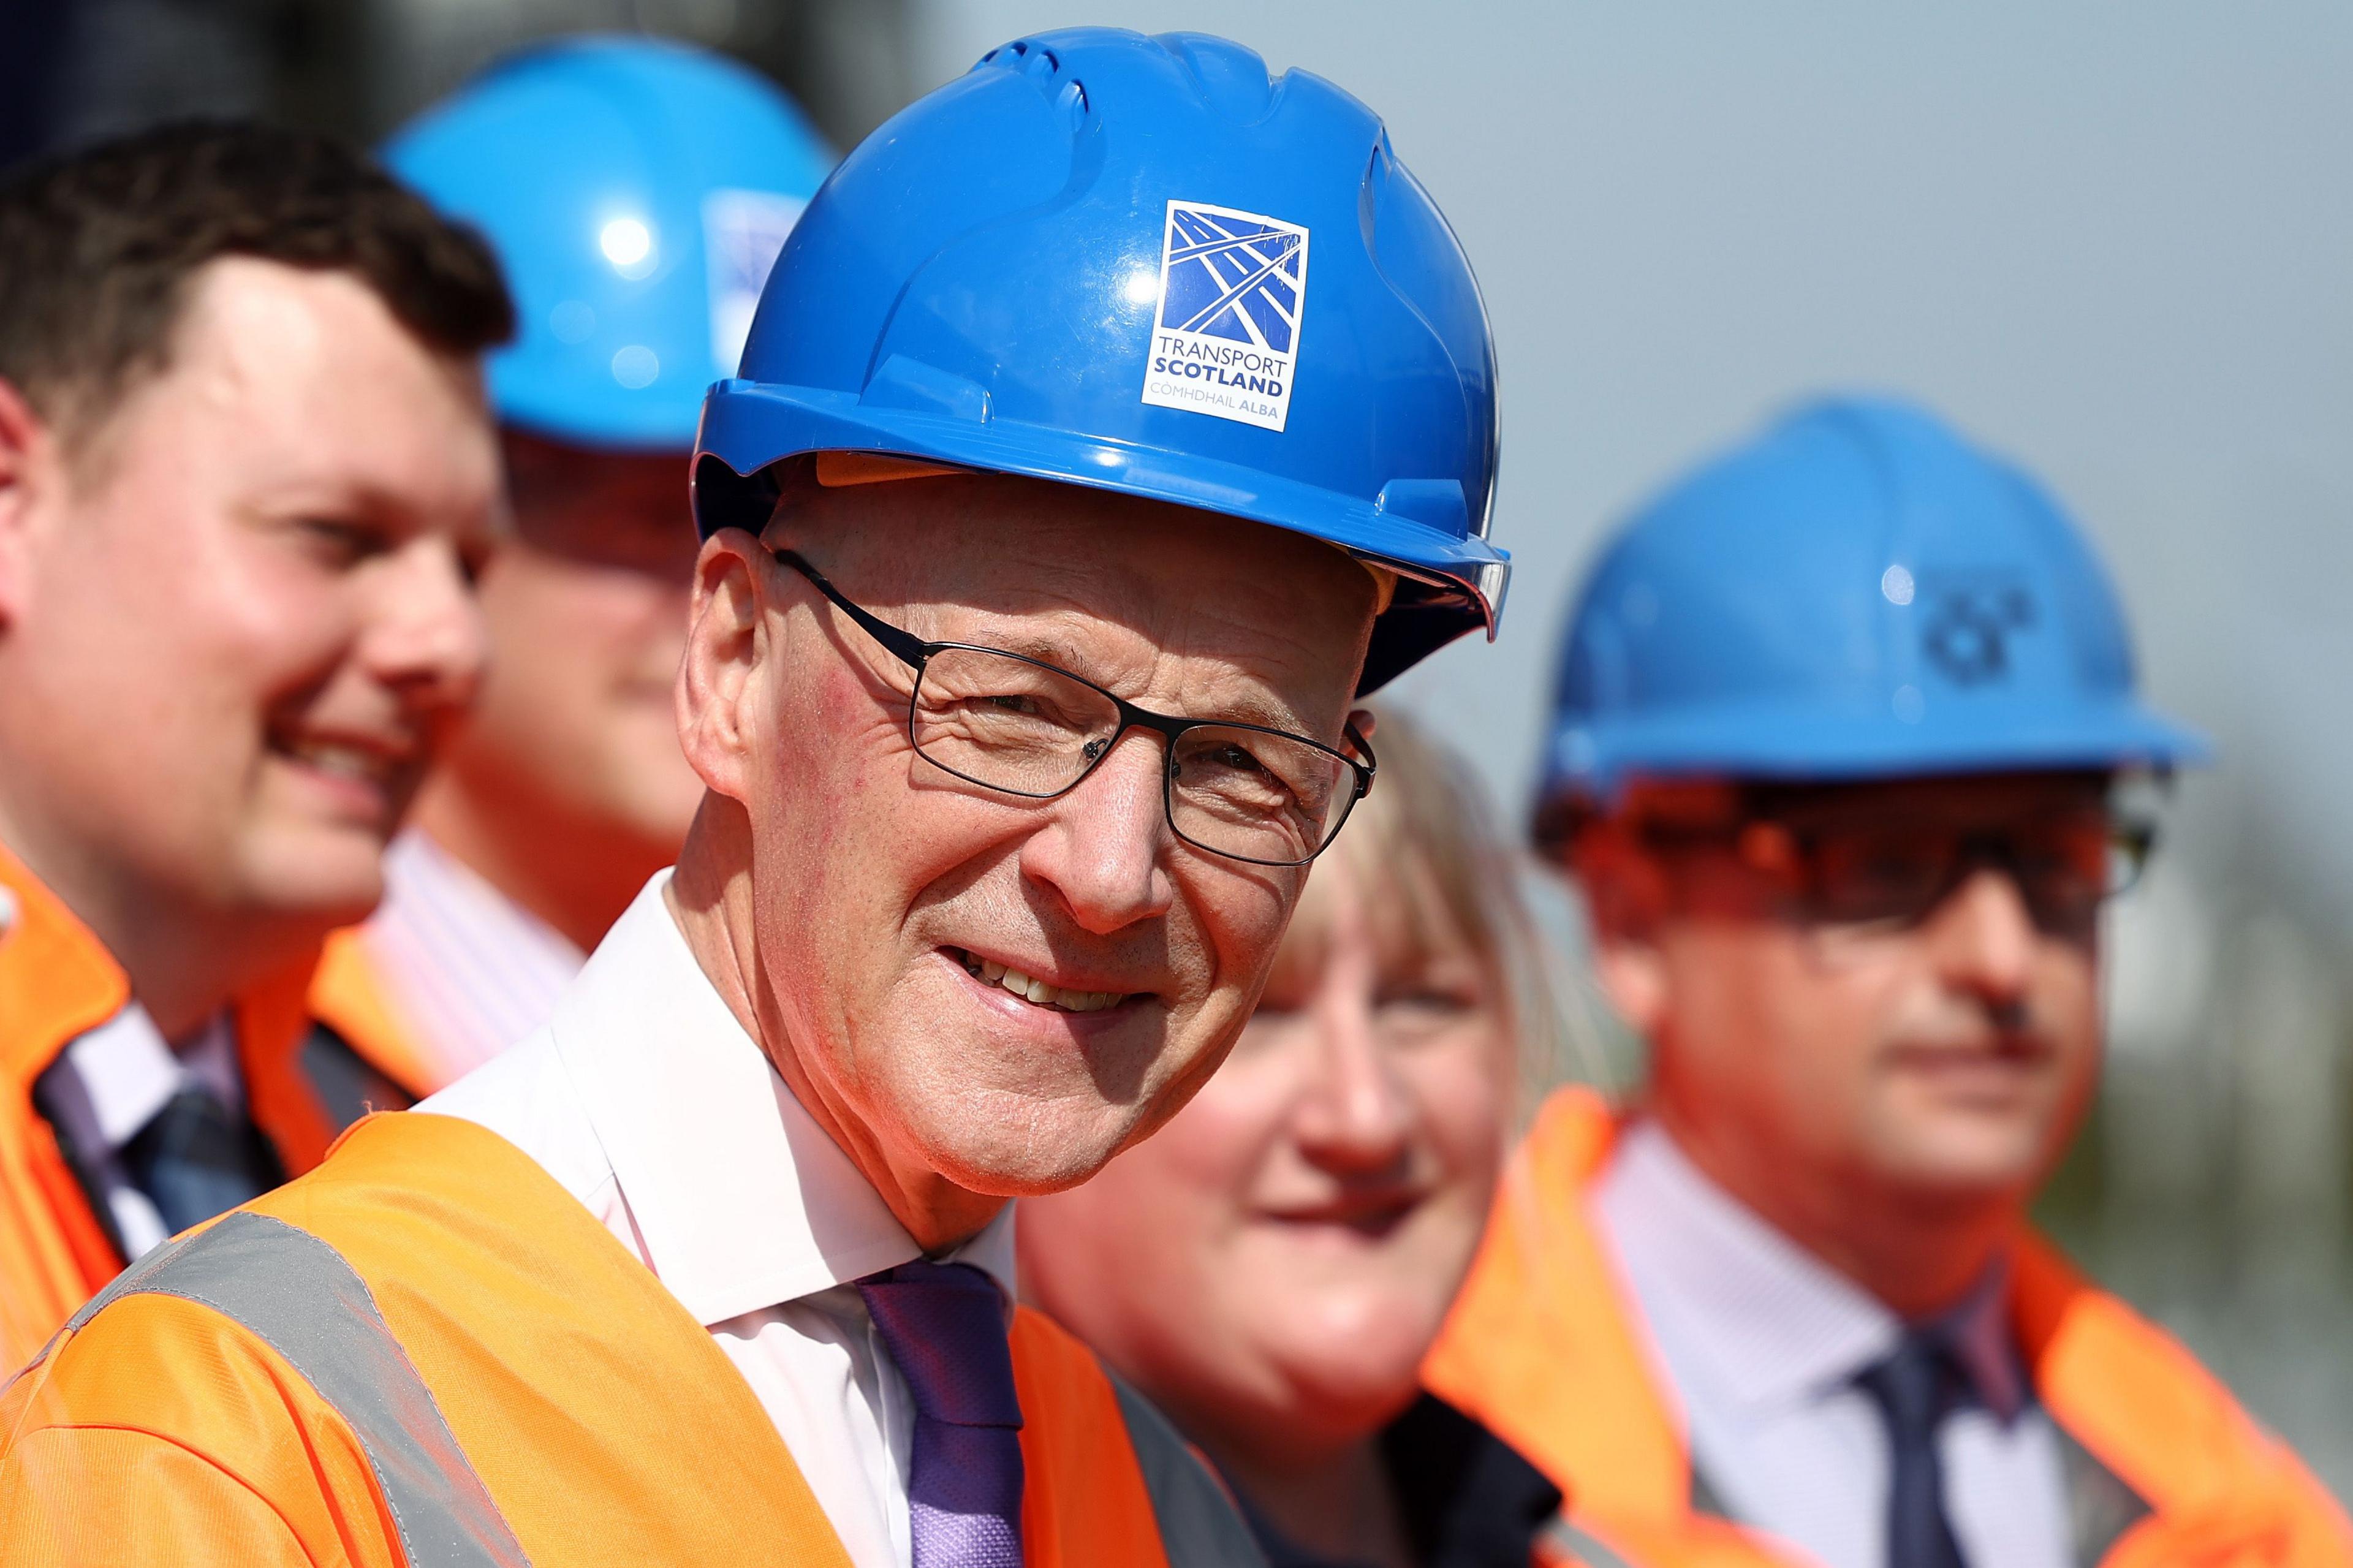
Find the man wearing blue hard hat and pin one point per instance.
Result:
(1115, 417)
(1839, 721)
(637, 192)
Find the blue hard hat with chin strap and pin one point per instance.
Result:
(1859, 594)
(1142, 264)
(636, 193)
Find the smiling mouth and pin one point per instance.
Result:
(1036, 992)
(2009, 1053)
(357, 763)
(1372, 1219)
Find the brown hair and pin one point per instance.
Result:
(97, 249)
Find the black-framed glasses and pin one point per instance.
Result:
(1023, 727)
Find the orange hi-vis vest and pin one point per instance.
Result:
(427, 1351)
(57, 983)
(1544, 1346)
(349, 996)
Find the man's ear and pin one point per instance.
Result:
(1626, 901)
(726, 636)
(29, 469)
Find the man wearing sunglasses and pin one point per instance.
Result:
(1115, 417)
(1841, 724)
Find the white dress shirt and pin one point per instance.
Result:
(1761, 1342)
(468, 969)
(111, 1082)
(647, 1101)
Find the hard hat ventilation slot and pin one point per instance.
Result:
(1044, 67)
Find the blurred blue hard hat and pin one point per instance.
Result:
(636, 193)
(1856, 594)
(1140, 265)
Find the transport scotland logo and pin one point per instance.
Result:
(1233, 290)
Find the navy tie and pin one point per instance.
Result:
(195, 1158)
(1919, 1383)
(945, 1326)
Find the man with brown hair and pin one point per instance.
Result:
(246, 477)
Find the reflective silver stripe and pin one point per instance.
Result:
(1199, 1526)
(1584, 1548)
(297, 1295)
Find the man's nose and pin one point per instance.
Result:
(1983, 936)
(426, 637)
(1102, 846)
(1357, 1115)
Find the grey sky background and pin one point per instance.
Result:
(2116, 241)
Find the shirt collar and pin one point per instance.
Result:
(128, 1071)
(740, 1197)
(1774, 1325)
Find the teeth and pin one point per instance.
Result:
(347, 762)
(1038, 991)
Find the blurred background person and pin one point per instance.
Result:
(246, 479)
(637, 192)
(1843, 721)
(1271, 1266)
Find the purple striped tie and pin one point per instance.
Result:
(945, 1326)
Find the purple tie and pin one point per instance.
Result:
(945, 1326)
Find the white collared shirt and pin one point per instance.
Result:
(468, 969)
(1761, 1342)
(111, 1082)
(646, 1100)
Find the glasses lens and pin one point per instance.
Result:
(1867, 877)
(1003, 722)
(1256, 796)
(2063, 868)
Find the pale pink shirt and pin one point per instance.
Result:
(647, 1101)
(466, 969)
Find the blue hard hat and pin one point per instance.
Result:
(637, 192)
(1140, 265)
(1858, 593)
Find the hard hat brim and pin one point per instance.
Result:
(1769, 742)
(1453, 582)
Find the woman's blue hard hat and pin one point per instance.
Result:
(1859, 594)
(1142, 264)
(636, 193)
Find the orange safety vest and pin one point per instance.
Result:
(428, 1350)
(350, 997)
(57, 982)
(1542, 1346)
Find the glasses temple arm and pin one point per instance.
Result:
(910, 650)
(1371, 764)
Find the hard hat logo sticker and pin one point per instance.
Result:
(1969, 625)
(1233, 289)
(743, 231)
